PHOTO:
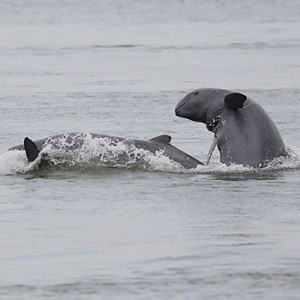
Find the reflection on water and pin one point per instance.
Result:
(171, 282)
(254, 175)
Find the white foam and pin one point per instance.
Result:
(14, 162)
(291, 161)
(102, 152)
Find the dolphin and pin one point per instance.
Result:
(69, 142)
(243, 131)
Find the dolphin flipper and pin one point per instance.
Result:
(31, 149)
(234, 100)
(211, 149)
(164, 139)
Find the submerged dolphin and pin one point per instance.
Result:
(243, 131)
(74, 141)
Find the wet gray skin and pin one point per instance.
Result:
(73, 141)
(244, 132)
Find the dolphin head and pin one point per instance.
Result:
(193, 106)
(202, 105)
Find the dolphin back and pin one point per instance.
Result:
(248, 136)
(69, 142)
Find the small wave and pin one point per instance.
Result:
(117, 46)
(13, 162)
(240, 172)
(85, 152)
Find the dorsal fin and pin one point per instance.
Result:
(165, 139)
(234, 100)
(31, 149)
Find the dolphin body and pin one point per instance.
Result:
(74, 141)
(244, 133)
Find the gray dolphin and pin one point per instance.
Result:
(243, 131)
(74, 141)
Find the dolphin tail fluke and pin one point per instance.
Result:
(31, 149)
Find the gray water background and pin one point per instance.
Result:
(120, 67)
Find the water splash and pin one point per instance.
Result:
(85, 152)
(13, 162)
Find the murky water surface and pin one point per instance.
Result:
(149, 230)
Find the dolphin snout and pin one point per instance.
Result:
(180, 104)
(177, 111)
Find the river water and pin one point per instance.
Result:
(146, 231)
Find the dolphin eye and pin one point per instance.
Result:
(196, 93)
